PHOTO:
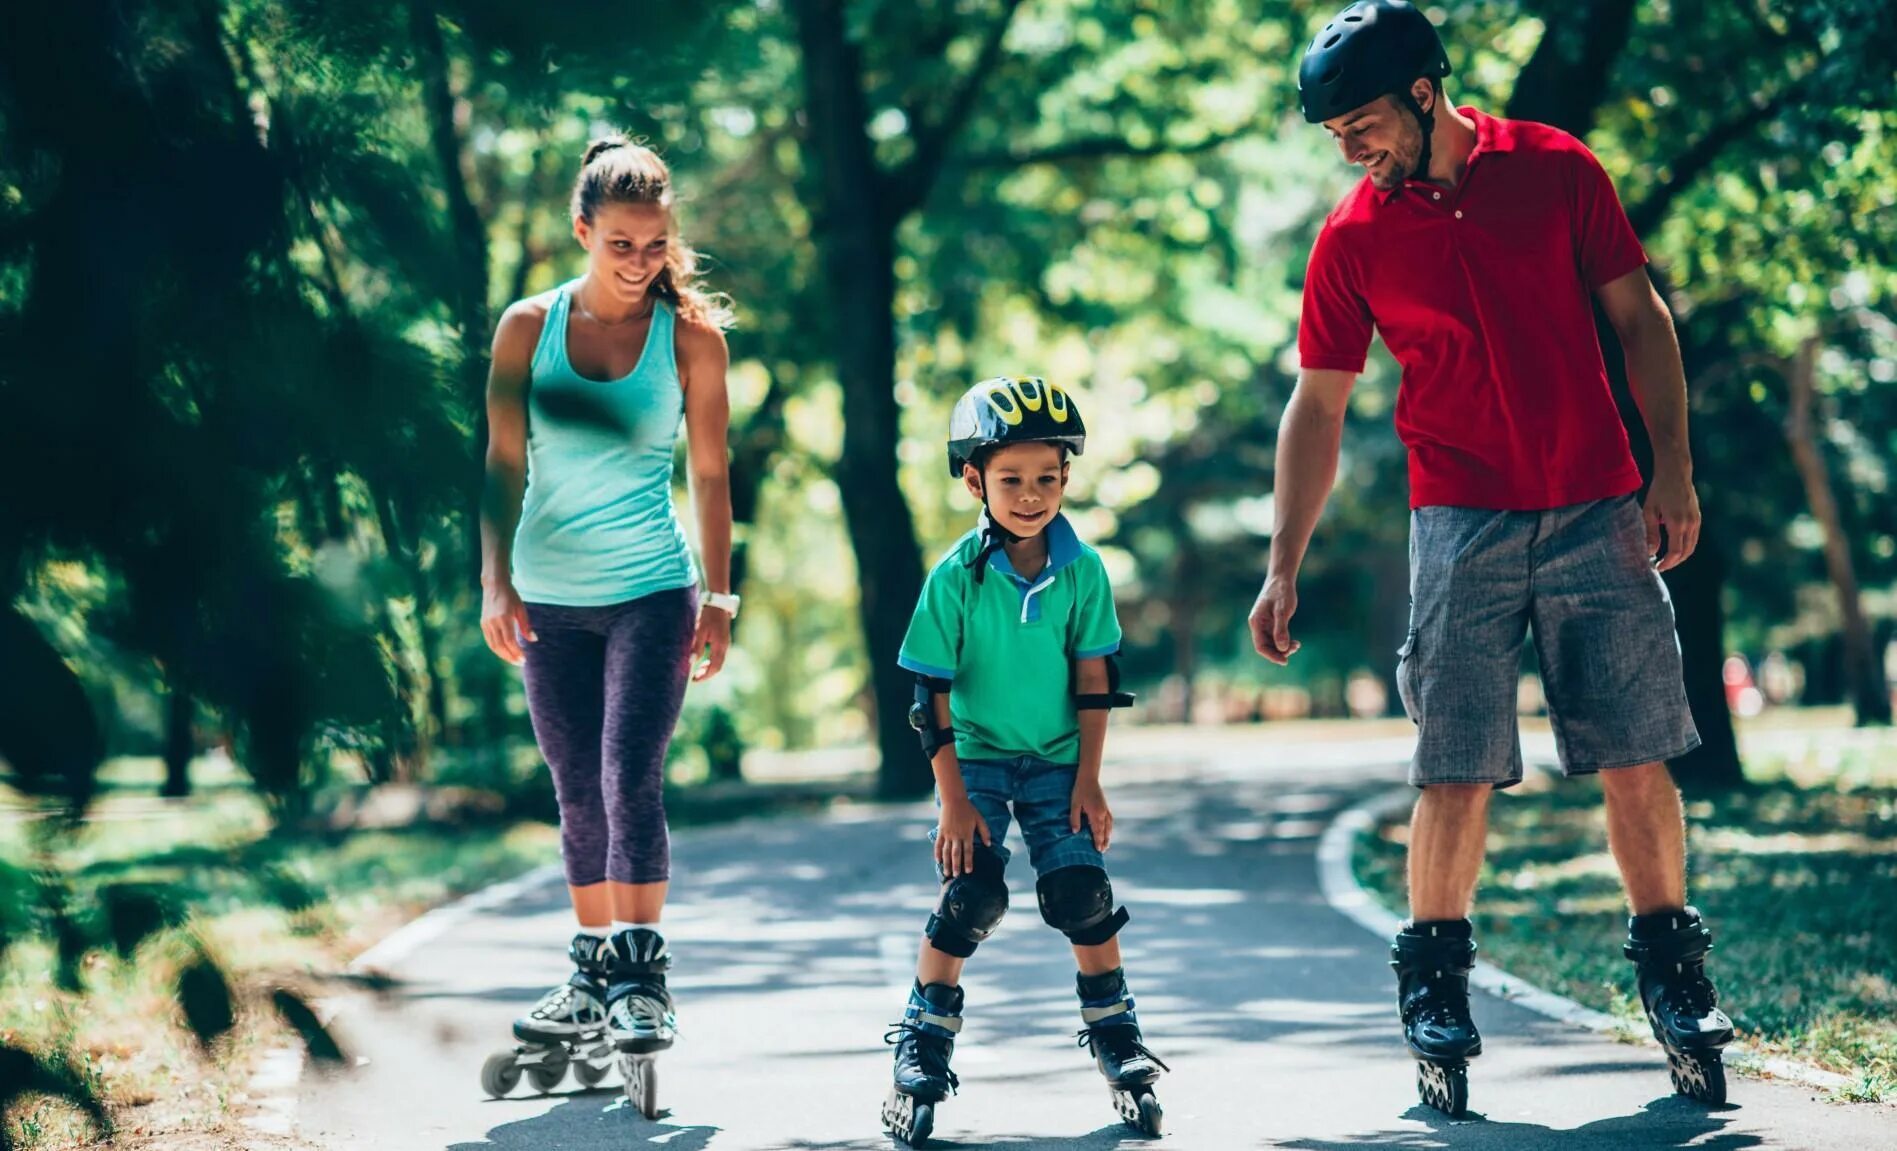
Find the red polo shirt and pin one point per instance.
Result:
(1483, 293)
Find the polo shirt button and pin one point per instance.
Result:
(1458, 213)
(1436, 195)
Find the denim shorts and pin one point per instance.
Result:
(1041, 794)
(1579, 576)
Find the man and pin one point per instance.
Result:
(1475, 247)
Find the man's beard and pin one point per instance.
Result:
(1402, 163)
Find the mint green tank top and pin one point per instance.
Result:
(597, 525)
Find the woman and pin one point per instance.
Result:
(588, 581)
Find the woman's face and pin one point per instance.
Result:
(626, 246)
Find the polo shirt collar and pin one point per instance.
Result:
(1063, 548)
(1492, 134)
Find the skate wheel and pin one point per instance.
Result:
(1700, 1077)
(588, 1074)
(546, 1074)
(642, 1084)
(1140, 1109)
(1152, 1116)
(909, 1121)
(1446, 1088)
(500, 1074)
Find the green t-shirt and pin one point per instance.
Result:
(1007, 644)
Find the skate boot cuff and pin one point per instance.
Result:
(590, 954)
(1667, 937)
(935, 1009)
(1412, 950)
(1439, 928)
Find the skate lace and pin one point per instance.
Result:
(931, 1050)
(1119, 1043)
(1435, 1005)
(1694, 995)
(560, 1003)
(646, 1013)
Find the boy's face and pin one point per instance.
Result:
(1025, 484)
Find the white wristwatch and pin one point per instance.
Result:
(723, 601)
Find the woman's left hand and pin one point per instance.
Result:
(710, 640)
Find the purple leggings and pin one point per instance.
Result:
(604, 688)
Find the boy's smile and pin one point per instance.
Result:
(1025, 483)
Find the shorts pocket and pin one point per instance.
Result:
(1406, 678)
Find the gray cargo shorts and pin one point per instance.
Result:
(1610, 661)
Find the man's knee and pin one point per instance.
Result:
(1633, 780)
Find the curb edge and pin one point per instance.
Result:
(1344, 894)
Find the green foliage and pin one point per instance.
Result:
(265, 423)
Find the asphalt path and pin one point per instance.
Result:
(795, 939)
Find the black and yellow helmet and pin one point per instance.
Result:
(1010, 410)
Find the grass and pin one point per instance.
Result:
(1796, 874)
(273, 911)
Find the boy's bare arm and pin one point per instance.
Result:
(1090, 677)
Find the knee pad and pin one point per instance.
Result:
(1078, 902)
(971, 906)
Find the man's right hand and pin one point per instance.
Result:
(955, 835)
(1271, 619)
(504, 621)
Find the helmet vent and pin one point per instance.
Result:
(1334, 39)
(1331, 74)
(1353, 19)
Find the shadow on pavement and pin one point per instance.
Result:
(1664, 1123)
(598, 1118)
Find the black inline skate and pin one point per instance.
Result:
(925, 1041)
(567, 1028)
(640, 1021)
(1669, 953)
(1112, 1034)
(1433, 959)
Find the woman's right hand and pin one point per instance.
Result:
(504, 621)
(955, 836)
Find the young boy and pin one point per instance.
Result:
(1011, 645)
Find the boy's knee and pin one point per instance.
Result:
(1078, 902)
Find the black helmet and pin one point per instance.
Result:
(1370, 49)
(1005, 410)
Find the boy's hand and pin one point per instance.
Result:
(955, 835)
(1090, 803)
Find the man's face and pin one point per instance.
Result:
(1384, 137)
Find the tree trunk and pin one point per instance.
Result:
(180, 742)
(1182, 614)
(425, 682)
(1565, 80)
(1864, 672)
(756, 445)
(1563, 84)
(856, 238)
(530, 253)
(49, 733)
(470, 246)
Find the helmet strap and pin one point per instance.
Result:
(1426, 120)
(993, 535)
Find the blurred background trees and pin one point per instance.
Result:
(250, 253)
